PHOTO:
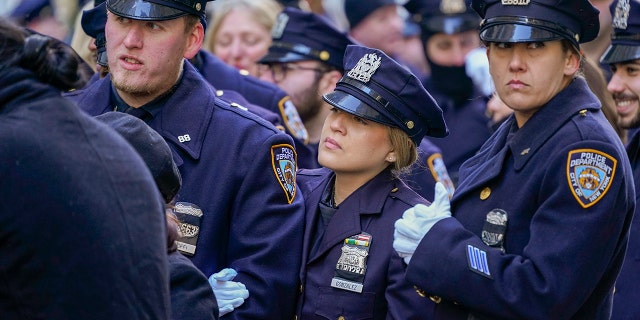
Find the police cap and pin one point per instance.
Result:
(537, 20)
(299, 35)
(151, 147)
(445, 16)
(93, 22)
(625, 41)
(157, 9)
(379, 89)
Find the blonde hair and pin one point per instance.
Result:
(264, 12)
(405, 149)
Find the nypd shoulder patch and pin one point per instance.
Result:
(590, 173)
(292, 119)
(439, 171)
(283, 160)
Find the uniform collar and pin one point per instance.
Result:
(546, 121)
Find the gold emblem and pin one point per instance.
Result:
(410, 124)
(621, 16)
(324, 55)
(485, 193)
(365, 68)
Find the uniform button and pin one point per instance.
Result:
(394, 190)
(485, 193)
(300, 288)
(341, 318)
(435, 299)
(420, 292)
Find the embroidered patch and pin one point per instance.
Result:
(590, 173)
(283, 160)
(292, 120)
(477, 260)
(440, 173)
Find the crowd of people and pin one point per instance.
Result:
(319, 159)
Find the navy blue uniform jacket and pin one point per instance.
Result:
(565, 183)
(252, 220)
(82, 236)
(373, 209)
(627, 295)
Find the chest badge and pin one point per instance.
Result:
(352, 264)
(190, 217)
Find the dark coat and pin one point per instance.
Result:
(565, 183)
(82, 231)
(230, 162)
(373, 209)
(191, 295)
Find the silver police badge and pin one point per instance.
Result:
(190, 217)
(365, 67)
(352, 264)
(495, 228)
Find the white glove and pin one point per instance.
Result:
(477, 68)
(417, 221)
(229, 294)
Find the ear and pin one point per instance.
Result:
(328, 81)
(391, 157)
(194, 41)
(572, 63)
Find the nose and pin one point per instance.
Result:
(336, 121)
(92, 45)
(616, 84)
(134, 37)
(516, 60)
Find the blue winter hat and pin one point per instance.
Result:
(377, 88)
(625, 41)
(299, 35)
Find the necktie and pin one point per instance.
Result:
(140, 113)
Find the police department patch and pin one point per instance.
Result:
(590, 173)
(292, 119)
(440, 173)
(283, 159)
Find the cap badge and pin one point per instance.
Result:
(515, 2)
(278, 27)
(452, 6)
(365, 68)
(198, 6)
(622, 14)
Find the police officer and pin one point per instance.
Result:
(380, 113)
(239, 198)
(82, 238)
(449, 33)
(537, 228)
(623, 55)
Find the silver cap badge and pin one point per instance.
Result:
(365, 68)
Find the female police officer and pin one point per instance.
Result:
(380, 114)
(541, 215)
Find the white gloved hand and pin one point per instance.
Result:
(477, 68)
(417, 221)
(229, 294)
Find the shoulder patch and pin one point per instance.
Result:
(292, 119)
(283, 160)
(440, 173)
(589, 173)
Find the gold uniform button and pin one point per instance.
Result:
(485, 193)
(300, 288)
(420, 292)
(435, 299)
(341, 318)
(394, 190)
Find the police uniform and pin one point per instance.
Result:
(625, 46)
(82, 234)
(463, 104)
(238, 203)
(542, 211)
(349, 268)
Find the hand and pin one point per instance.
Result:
(229, 294)
(477, 68)
(417, 221)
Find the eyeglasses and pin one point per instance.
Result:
(279, 70)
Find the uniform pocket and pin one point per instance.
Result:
(333, 303)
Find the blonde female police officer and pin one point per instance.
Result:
(539, 223)
(380, 113)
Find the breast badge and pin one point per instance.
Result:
(589, 173)
(352, 264)
(190, 217)
(283, 160)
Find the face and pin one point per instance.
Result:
(625, 87)
(528, 75)
(351, 145)
(300, 80)
(450, 50)
(381, 29)
(146, 57)
(240, 41)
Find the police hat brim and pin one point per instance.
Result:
(274, 56)
(143, 10)
(517, 33)
(348, 103)
(620, 53)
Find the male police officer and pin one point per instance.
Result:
(623, 55)
(238, 201)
